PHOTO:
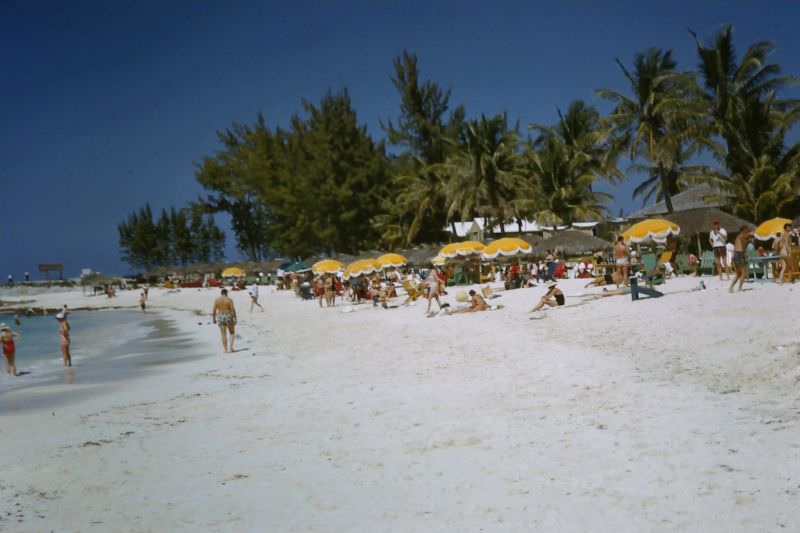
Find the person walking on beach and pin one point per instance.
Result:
(740, 257)
(718, 239)
(64, 338)
(784, 243)
(432, 289)
(254, 297)
(224, 314)
(9, 348)
(621, 253)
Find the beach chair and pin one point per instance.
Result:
(707, 262)
(683, 265)
(653, 272)
(754, 267)
(413, 292)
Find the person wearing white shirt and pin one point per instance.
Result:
(718, 238)
(254, 297)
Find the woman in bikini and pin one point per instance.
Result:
(63, 333)
(553, 298)
(9, 348)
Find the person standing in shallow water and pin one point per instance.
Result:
(64, 338)
(9, 348)
(224, 314)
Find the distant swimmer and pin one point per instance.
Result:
(224, 314)
(9, 348)
(143, 302)
(17, 321)
(64, 338)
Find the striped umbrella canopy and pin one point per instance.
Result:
(361, 267)
(461, 249)
(507, 247)
(771, 228)
(656, 229)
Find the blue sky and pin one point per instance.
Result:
(106, 105)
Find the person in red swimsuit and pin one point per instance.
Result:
(9, 349)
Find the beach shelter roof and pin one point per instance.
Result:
(699, 220)
(507, 247)
(438, 260)
(574, 243)
(421, 255)
(771, 228)
(233, 272)
(327, 266)
(656, 229)
(696, 197)
(298, 267)
(361, 267)
(461, 249)
(392, 260)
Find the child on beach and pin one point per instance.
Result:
(9, 348)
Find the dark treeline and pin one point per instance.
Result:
(323, 184)
(182, 237)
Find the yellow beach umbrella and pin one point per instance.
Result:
(392, 260)
(657, 229)
(508, 247)
(233, 272)
(327, 266)
(438, 260)
(771, 228)
(361, 268)
(462, 249)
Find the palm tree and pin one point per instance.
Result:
(658, 119)
(559, 185)
(484, 171)
(763, 172)
(749, 127)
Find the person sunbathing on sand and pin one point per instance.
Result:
(605, 279)
(552, 298)
(477, 303)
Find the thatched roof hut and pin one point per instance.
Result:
(572, 243)
(699, 220)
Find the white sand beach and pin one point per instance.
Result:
(674, 414)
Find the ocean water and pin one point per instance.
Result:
(106, 346)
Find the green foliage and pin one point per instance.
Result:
(749, 126)
(173, 238)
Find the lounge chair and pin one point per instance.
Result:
(683, 265)
(653, 272)
(708, 262)
(413, 292)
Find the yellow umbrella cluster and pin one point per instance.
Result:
(507, 247)
(392, 260)
(233, 272)
(362, 267)
(771, 228)
(461, 249)
(657, 229)
(326, 266)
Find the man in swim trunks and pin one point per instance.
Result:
(9, 348)
(740, 257)
(224, 315)
(552, 298)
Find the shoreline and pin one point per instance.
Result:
(631, 416)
